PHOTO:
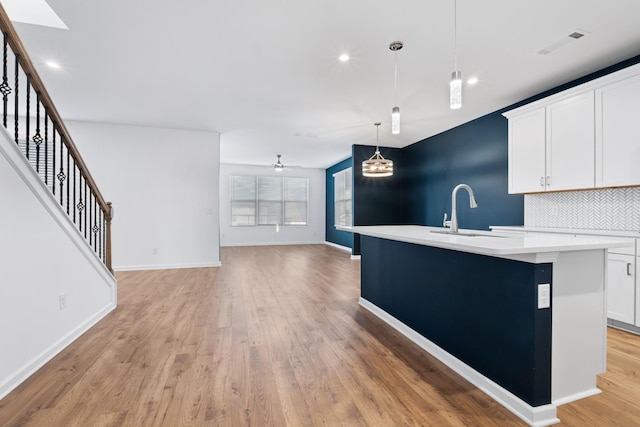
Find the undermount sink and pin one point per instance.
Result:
(465, 234)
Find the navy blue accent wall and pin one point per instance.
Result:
(379, 201)
(339, 237)
(475, 153)
(480, 309)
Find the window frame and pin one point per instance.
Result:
(284, 201)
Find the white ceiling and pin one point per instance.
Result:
(266, 75)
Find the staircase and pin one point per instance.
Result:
(56, 278)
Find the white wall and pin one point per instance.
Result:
(313, 232)
(42, 256)
(163, 184)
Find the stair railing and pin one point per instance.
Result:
(28, 113)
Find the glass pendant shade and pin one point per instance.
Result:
(455, 90)
(377, 166)
(395, 120)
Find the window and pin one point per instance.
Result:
(268, 200)
(342, 198)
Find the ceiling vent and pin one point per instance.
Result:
(562, 42)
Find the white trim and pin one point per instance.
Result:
(537, 416)
(167, 266)
(39, 361)
(270, 243)
(577, 396)
(337, 246)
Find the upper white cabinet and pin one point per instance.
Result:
(551, 148)
(582, 138)
(527, 156)
(570, 143)
(618, 134)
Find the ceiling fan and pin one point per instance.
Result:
(279, 167)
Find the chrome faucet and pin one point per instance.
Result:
(453, 224)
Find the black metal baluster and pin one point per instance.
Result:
(16, 100)
(68, 183)
(4, 87)
(95, 225)
(46, 147)
(100, 234)
(90, 214)
(74, 190)
(53, 156)
(37, 139)
(61, 175)
(28, 116)
(80, 204)
(85, 217)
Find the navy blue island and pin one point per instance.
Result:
(523, 318)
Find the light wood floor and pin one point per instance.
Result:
(275, 337)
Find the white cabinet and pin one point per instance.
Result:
(570, 143)
(621, 288)
(618, 133)
(637, 289)
(552, 148)
(582, 138)
(527, 147)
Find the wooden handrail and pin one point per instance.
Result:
(13, 40)
(29, 69)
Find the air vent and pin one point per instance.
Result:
(562, 42)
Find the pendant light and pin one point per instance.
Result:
(377, 166)
(455, 84)
(395, 111)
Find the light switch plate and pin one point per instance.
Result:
(544, 295)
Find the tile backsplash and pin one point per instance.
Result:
(608, 209)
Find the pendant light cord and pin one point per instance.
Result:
(455, 35)
(395, 75)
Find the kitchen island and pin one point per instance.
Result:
(521, 317)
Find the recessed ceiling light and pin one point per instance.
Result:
(52, 64)
(344, 57)
(472, 81)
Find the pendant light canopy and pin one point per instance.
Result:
(455, 84)
(395, 111)
(377, 166)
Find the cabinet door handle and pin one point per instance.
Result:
(548, 181)
(542, 181)
(629, 265)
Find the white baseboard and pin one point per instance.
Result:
(337, 246)
(228, 244)
(39, 361)
(538, 416)
(355, 257)
(166, 266)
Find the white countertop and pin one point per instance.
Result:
(584, 231)
(490, 243)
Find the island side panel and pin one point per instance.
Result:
(480, 309)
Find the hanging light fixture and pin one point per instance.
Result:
(377, 166)
(455, 84)
(278, 166)
(395, 111)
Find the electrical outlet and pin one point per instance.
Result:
(544, 295)
(154, 251)
(62, 301)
